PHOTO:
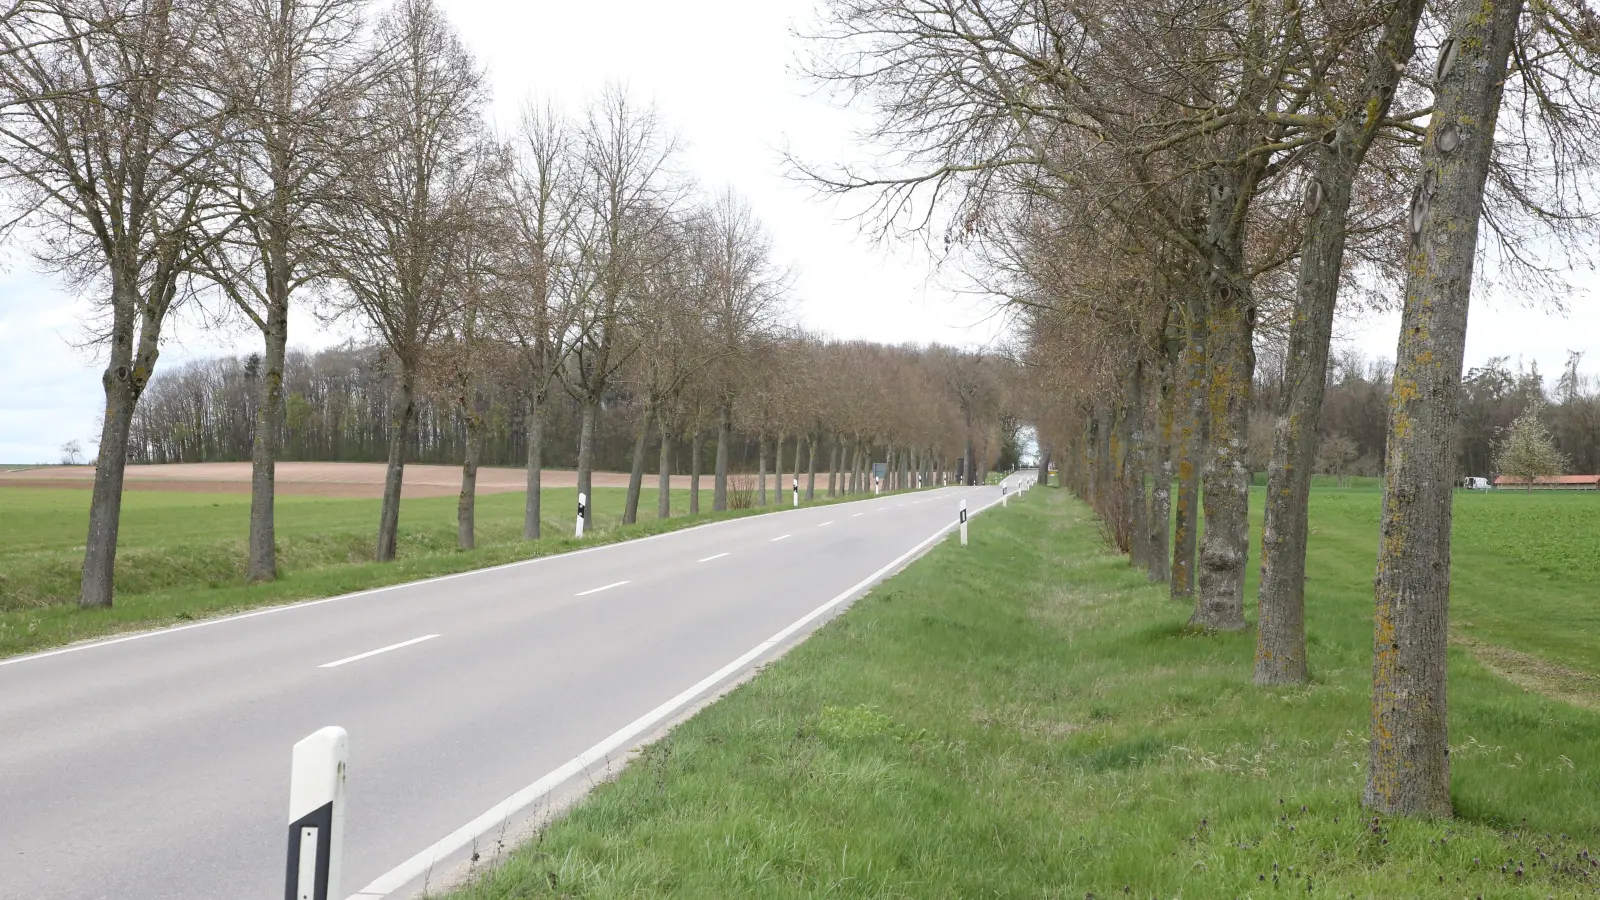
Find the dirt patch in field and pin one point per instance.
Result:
(313, 479)
(1535, 674)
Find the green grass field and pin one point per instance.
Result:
(182, 555)
(1028, 717)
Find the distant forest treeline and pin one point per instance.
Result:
(338, 409)
(1356, 408)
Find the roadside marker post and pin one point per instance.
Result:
(583, 502)
(963, 523)
(797, 492)
(316, 815)
(1005, 498)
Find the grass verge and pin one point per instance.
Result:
(1028, 718)
(182, 556)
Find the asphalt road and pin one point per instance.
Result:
(157, 767)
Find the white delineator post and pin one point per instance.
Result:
(316, 815)
(583, 501)
(797, 491)
(963, 523)
(1005, 498)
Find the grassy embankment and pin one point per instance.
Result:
(1029, 718)
(182, 555)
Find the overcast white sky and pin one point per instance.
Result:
(721, 73)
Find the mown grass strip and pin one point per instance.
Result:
(1027, 717)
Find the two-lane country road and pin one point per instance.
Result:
(155, 766)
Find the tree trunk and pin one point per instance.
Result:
(1160, 519)
(719, 492)
(1408, 770)
(124, 379)
(1190, 450)
(1130, 462)
(833, 468)
(586, 429)
(664, 474)
(531, 506)
(780, 490)
(1225, 546)
(968, 473)
(401, 417)
(264, 453)
(696, 447)
(105, 503)
(1280, 631)
(630, 511)
(811, 468)
(761, 470)
(466, 506)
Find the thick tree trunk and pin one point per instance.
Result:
(127, 372)
(1280, 631)
(719, 491)
(1408, 770)
(402, 417)
(696, 447)
(664, 474)
(264, 452)
(466, 506)
(586, 428)
(105, 502)
(530, 506)
(630, 510)
(1225, 545)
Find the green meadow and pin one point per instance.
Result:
(182, 556)
(1028, 717)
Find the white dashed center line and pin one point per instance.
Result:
(601, 588)
(350, 659)
(776, 539)
(710, 558)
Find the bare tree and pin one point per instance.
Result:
(411, 191)
(291, 74)
(626, 199)
(537, 314)
(1280, 634)
(109, 143)
(746, 299)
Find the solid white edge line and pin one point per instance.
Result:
(710, 558)
(416, 866)
(601, 588)
(307, 604)
(350, 659)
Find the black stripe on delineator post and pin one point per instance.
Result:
(321, 819)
